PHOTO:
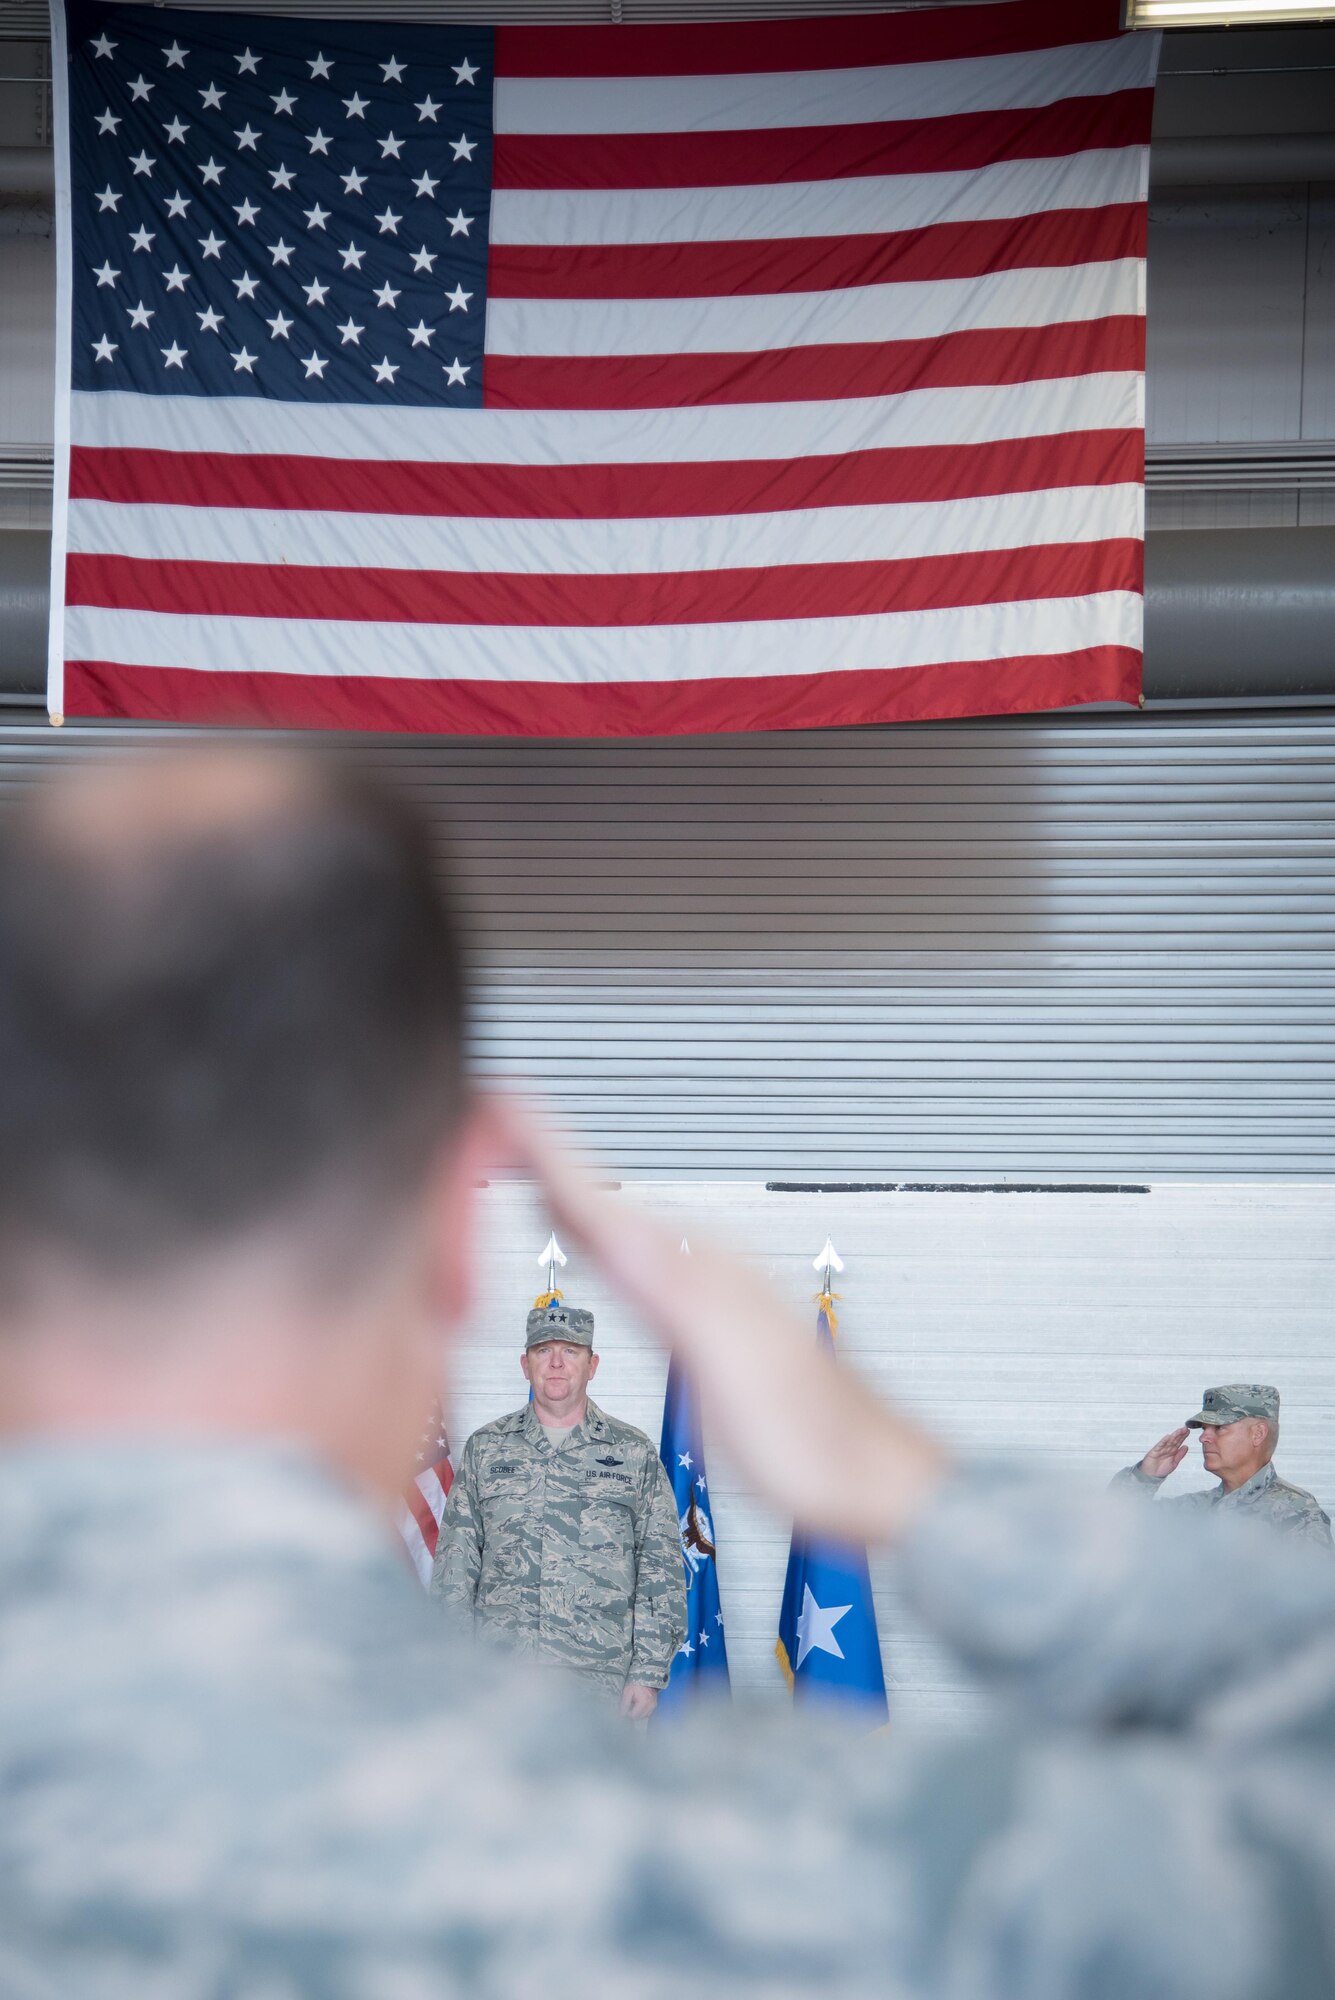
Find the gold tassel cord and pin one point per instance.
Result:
(825, 1303)
(547, 1299)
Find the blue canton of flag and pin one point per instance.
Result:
(828, 1645)
(702, 1663)
(280, 208)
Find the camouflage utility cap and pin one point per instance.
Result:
(1233, 1402)
(558, 1321)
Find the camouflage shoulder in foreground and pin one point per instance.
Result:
(569, 1551)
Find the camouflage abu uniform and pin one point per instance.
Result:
(1265, 1497)
(569, 1551)
(240, 1760)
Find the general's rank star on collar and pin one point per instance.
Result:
(815, 1627)
(464, 71)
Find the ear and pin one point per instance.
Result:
(523, 1362)
(593, 1366)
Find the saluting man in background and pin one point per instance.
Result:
(1239, 1427)
(561, 1532)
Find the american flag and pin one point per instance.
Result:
(424, 1500)
(600, 381)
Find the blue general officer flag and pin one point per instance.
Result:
(701, 1666)
(828, 1644)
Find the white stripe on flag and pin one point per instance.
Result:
(605, 655)
(874, 205)
(608, 437)
(782, 99)
(414, 543)
(757, 324)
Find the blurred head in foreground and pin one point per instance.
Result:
(233, 1166)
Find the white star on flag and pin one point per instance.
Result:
(815, 1627)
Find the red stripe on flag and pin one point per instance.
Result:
(1065, 236)
(810, 374)
(422, 1514)
(839, 42)
(607, 492)
(961, 143)
(689, 708)
(692, 597)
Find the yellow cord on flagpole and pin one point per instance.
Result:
(825, 1303)
(547, 1299)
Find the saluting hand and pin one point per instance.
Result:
(1166, 1456)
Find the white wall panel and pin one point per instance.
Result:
(1068, 1331)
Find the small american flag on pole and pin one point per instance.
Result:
(424, 1500)
(599, 381)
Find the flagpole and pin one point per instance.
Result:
(551, 1256)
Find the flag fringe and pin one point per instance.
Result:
(547, 1299)
(825, 1303)
(781, 1655)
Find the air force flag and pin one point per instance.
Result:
(702, 1664)
(828, 1645)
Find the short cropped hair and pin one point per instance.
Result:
(219, 1020)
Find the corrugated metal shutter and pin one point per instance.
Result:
(1091, 948)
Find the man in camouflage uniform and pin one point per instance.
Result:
(1239, 1427)
(561, 1536)
(239, 1757)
